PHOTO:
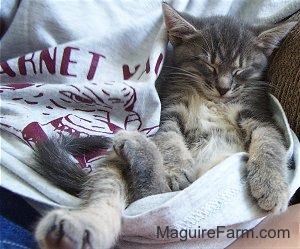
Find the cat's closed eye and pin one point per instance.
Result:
(210, 67)
(245, 73)
(203, 66)
(237, 72)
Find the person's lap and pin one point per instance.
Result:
(285, 228)
(18, 218)
(16, 221)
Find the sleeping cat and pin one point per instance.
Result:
(213, 105)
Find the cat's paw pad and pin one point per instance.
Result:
(179, 179)
(271, 195)
(127, 143)
(61, 229)
(275, 202)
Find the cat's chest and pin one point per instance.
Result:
(209, 115)
(207, 119)
(212, 134)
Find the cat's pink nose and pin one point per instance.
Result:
(222, 91)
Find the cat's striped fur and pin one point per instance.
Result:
(214, 104)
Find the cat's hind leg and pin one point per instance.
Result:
(97, 223)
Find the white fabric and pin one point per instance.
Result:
(88, 68)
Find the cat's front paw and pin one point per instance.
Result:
(270, 190)
(181, 178)
(145, 163)
(135, 148)
(73, 230)
(127, 143)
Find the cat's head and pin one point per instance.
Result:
(220, 54)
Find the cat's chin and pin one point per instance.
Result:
(220, 99)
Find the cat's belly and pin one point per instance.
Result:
(209, 153)
(213, 134)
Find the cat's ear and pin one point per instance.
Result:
(177, 26)
(268, 39)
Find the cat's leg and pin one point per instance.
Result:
(145, 163)
(97, 223)
(267, 165)
(160, 164)
(177, 159)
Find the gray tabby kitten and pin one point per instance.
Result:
(213, 105)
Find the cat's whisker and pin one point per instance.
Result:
(185, 74)
(209, 87)
(186, 77)
(257, 84)
(180, 69)
(236, 90)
